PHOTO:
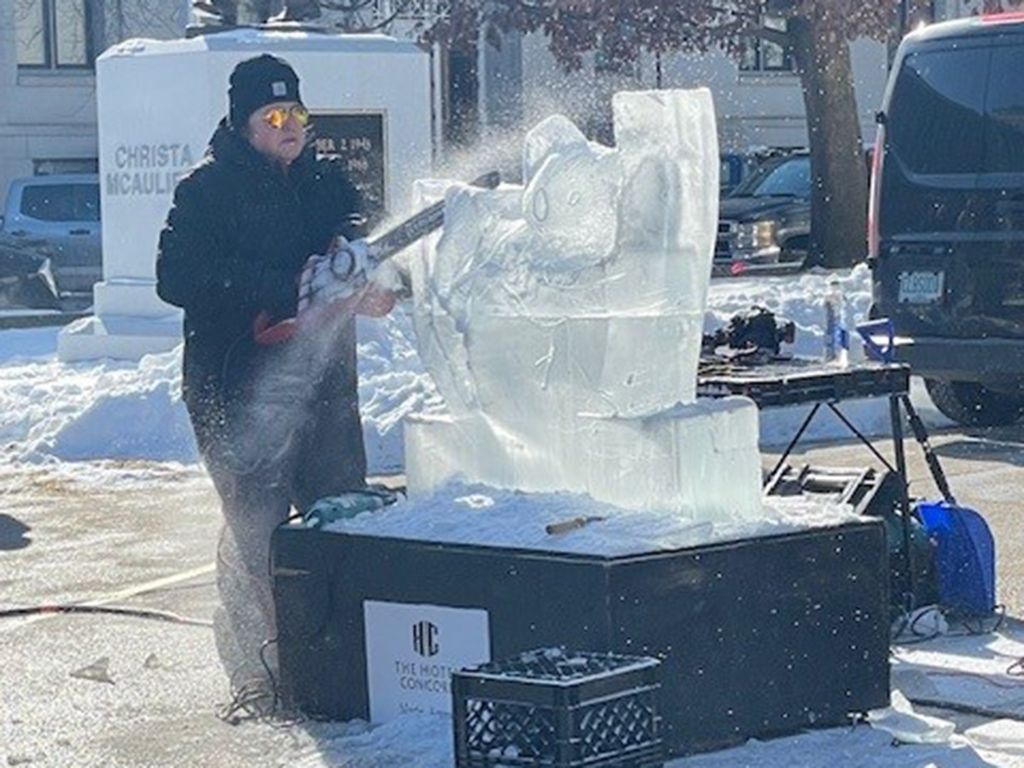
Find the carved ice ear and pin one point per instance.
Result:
(677, 127)
(554, 134)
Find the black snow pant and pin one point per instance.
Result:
(297, 439)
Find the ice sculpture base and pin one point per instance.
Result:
(700, 459)
(757, 637)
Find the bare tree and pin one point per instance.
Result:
(816, 33)
(117, 20)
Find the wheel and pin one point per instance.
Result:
(974, 405)
(797, 249)
(795, 253)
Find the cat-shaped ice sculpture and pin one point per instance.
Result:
(562, 320)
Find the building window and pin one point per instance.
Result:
(761, 55)
(51, 166)
(53, 34)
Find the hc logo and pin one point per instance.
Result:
(424, 638)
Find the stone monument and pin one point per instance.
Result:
(158, 104)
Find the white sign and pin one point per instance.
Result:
(147, 169)
(412, 650)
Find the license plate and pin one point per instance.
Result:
(921, 287)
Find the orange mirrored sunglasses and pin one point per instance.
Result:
(276, 117)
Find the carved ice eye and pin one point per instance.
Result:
(574, 197)
(540, 205)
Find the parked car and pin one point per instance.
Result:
(25, 278)
(62, 211)
(946, 219)
(764, 223)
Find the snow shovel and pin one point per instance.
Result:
(964, 558)
(964, 546)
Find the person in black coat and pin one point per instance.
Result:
(278, 425)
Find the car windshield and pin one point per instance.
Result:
(790, 177)
(974, 107)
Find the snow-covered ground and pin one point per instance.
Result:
(60, 412)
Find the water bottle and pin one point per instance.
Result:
(837, 340)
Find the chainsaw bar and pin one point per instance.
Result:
(421, 224)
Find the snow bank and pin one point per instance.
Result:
(88, 411)
(117, 410)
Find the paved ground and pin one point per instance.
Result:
(113, 691)
(72, 308)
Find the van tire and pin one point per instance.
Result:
(974, 405)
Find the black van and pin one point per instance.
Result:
(946, 218)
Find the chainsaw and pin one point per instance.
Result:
(380, 248)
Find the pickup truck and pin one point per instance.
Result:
(764, 223)
(61, 212)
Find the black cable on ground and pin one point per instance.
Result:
(908, 623)
(978, 626)
(967, 709)
(139, 613)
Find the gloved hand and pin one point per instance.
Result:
(339, 274)
(375, 301)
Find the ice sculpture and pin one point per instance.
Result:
(562, 322)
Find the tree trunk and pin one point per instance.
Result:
(839, 177)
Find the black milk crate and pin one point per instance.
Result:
(559, 708)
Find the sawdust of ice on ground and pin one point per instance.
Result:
(52, 412)
(425, 741)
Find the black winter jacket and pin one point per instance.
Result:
(234, 245)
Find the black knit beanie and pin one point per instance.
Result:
(259, 81)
